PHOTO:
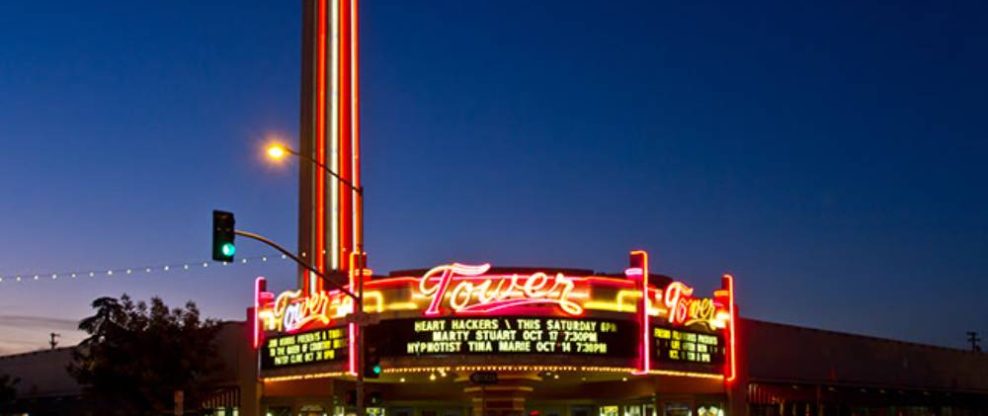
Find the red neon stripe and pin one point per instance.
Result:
(320, 246)
(343, 134)
(259, 286)
(343, 157)
(732, 371)
(355, 108)
(646, 344)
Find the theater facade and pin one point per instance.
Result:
(477, 339)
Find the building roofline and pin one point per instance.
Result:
(36, 352)
(866, 336)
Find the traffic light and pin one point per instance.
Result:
(223, 226)
(372, 362)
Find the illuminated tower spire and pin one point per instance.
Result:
(329, 214)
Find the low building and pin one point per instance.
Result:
(460, 340)
(799, 371)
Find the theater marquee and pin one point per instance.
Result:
(459, 313)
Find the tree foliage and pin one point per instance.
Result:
(8, 388)
(138, 354)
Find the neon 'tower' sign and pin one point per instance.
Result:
(465, 289)
(683, 309)
(291, 311)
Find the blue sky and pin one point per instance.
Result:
(829, 154)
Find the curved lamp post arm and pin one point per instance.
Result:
(300, 262)
(357, 189)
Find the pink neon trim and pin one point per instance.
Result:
(510, 304)
(258, 282)
(733, 355)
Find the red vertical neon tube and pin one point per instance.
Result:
(343, 138)
(320, 224)
(731, 369)
(259, 287)
(639, 259)
(355, 126)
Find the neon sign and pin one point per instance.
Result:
(465, 290)
(290, 311)
(683, 309)
(321, 345)
(672, 326)
(610, 338)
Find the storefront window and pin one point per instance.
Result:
(709, 410)
(633, 410)
(608, 411)
(677, 409)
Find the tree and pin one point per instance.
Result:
(8, 388)
(138, 354)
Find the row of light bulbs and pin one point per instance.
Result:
(130, 270)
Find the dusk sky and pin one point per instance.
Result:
(831, 155)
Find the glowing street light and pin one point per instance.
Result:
(277, 151)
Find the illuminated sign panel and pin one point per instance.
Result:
(319, 346)
(676, 345)
(505, 335)
(464, 289)
(461, 309)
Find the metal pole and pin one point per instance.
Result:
(359, 297)
(361, 411)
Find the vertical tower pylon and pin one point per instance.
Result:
(329, 214)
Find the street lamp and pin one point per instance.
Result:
(277, 152)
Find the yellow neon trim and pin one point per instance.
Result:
(402, 306)
(620, 305)
(301, 377)
(686, 374)
(378, 299)
(441, 369)
(500, 388)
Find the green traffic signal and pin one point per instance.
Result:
(224, 232)
(377, 369)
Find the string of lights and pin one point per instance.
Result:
(170, 267)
